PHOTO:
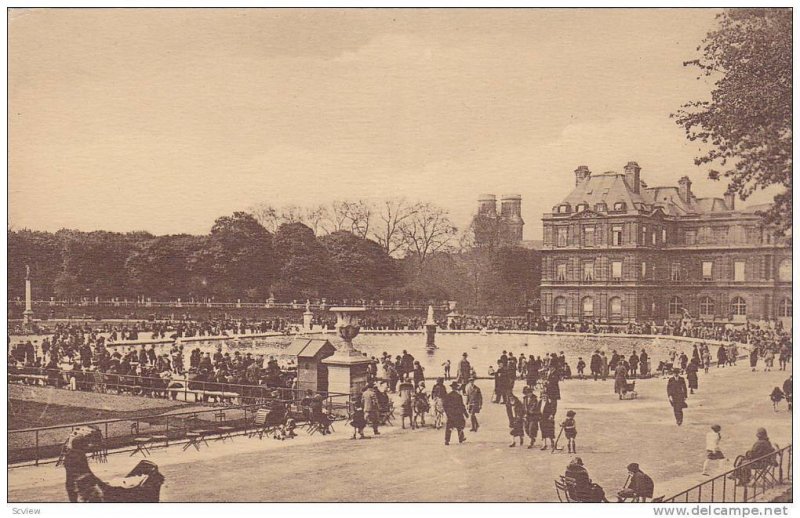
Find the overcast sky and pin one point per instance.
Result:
(163, 120)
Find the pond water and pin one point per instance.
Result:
(482, 350)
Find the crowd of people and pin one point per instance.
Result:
(83, 359)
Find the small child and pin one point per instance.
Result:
(581, 366)
(570, 431)
(776, 397)
(358, 422)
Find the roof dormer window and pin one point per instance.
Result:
(582, 207)
(620, 206)
(600, 207)
(564, 208)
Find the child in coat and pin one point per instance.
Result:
(776, 397)
(358, 422)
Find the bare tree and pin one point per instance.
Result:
(337, 216)
(428, 231)
(359, 215)
(392, 214)
(292, 214)
(317, 219)
(267, 215)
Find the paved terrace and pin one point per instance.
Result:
(406, 465)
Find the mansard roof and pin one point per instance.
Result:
(611, 188)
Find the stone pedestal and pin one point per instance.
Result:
(430, 331)
(347, 374)
(347, 368)
(27, 315)
(307, 318)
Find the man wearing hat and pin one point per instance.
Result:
(677, 394)
(456, 414)
(639, 485)
(474, 403)
(372, 409)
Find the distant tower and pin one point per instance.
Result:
(511, 217)
(487, 205)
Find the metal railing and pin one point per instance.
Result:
(743, 483)
(222, 393)
(295, 305)
(42, 445)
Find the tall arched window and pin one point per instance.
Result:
(675, 306)
(785, 308)
(706, 306)
(587, 307)
(739, 306)
(785, 271)
(560, 307)
(615, 308)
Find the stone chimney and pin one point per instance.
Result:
(685, 189)
(632, 176)
(582, 174)
(730, 200)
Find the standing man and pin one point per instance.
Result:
(596, 365)
(474, 403)
(456, 414)
(677, 394)
(464, 369)
(372, 410)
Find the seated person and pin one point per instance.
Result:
(384, 403)
(761, 448)
(305, 404)
(579, 484)
(318, 416)
(640, 485)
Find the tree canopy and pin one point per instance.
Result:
(747, 124)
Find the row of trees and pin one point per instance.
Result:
(419, 258)
(399, 226)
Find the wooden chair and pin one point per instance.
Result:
(561, 491)
(259, 423)
(141, 441)
(224, 431)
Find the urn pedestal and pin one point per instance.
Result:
(347, 368)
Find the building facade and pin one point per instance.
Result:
(617, 251)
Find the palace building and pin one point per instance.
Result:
(617, 251)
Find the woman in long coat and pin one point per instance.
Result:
(753, 358)
(516, 419)
(722, 356)
(620, 380)
(547, 424)
(691, 375)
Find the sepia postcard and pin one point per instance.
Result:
(400, 255)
